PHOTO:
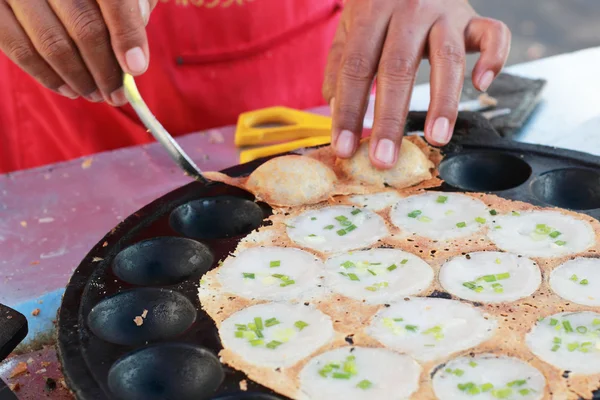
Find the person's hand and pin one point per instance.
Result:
(387, 39)
(78, 47)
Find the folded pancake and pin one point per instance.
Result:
(296, 180)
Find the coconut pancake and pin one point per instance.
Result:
(354, 373)
(487, 376)
(376, 201)
(490, 276)
(578, 281)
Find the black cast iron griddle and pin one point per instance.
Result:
(153, 261)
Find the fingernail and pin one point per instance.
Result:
(486, 80)
(145, 10)
(66, 91)
(345, 144)
(385, 151)
(136, 60)
(441, 130)
(95, 97)
(117, 98)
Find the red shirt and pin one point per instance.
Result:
(210, 61)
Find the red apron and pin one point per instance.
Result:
(210, 61)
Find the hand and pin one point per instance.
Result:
(387, 39)
(78, 47)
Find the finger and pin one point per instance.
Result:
(365, 38)
(17, 47)
(127, 34)
(85, 24)
(53, 43)
(334, 59)
(398, 66)
(492, 39)
(447, 59)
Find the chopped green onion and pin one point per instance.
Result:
(516, 213)
(353, 277)
(259, 323)
(329, 227)
(581, 329)
(469, 285)
(489, 278)
(273, 344)
(341, 232)
(414, 214)
(555, 347)
(364, 384)
(442, 199)
(300, 325)
(350, 228)
(412, 328)
(583, 282)
(572, 346)
(374, 263)
(392, 267)
(239, 334)
(287, 283)
(486, 387)
(574, 278)
(458, 372)
(567, 326)
(543, 229)
(449, 212)
(524, 392)
(480, 220)
(503, 393)
(498, 227)
(553, 321)
(557, 340)
(348, 264)
(371, 272)
(339, 375)
(274, 264)
(464, 386)
(371, 288)
(461, 224)
(355, 212)
(504, 275)
(474, 390)
(345, 223)
(241, 327)
(248, 275)
(493, 212)
(596, 321)
(424, 219)
(519, 382)
(479, 289)
(555, 234)
(313, 218)
(560, 243)
(312, 235)
(257, 342)
(404, 261)
(472, 364)
(398, 319)
(341, 218)
(499, 290)
(271, 322)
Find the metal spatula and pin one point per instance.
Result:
(159, 132)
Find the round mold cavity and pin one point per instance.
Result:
(217, 217)
(484, 171)
(572, 188)
(166, 371)
(120, 319)
(162, 261)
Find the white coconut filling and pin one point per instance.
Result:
(429, 329)
(541, 233)
(276, 334)
(355, 373)
(488, 377)
(569, 341)
(377, 201)
(377, 276)
(336, 229)
(490, 277)
(440, 216)
(578, 281)
(271, 273)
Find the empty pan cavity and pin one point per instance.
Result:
(217, 217)
(166, 371)
(484, 171)
(162, 261)
(572, 188)
(143, 315)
